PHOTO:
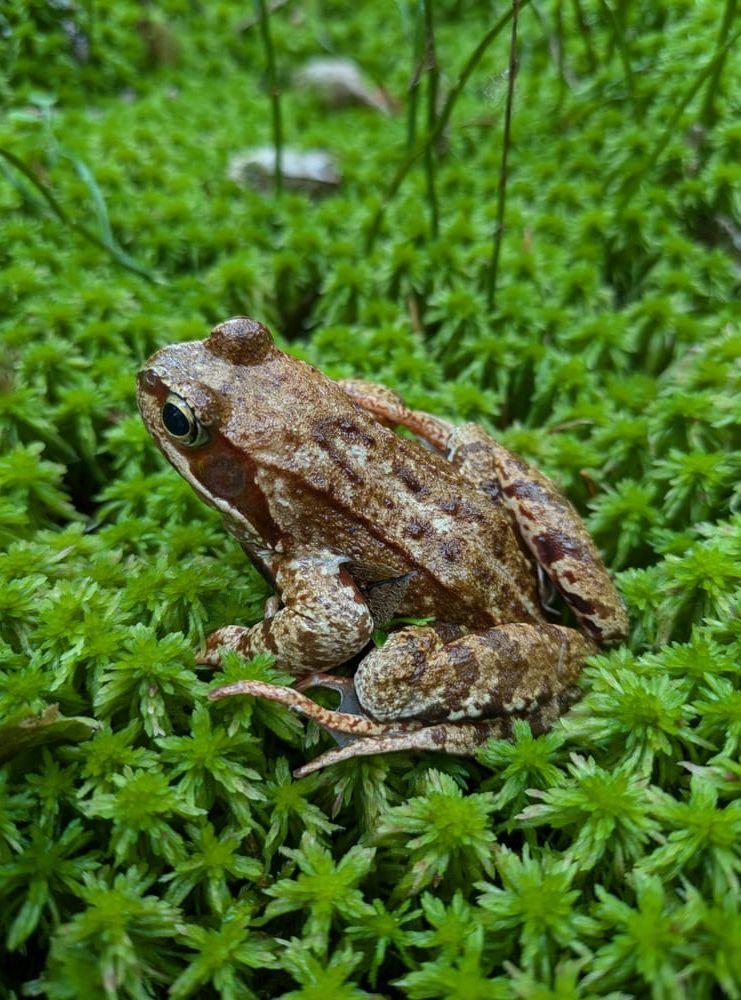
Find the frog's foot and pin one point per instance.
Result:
(462, 739)
(323, 618)
(360, 736)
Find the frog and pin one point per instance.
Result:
(360, 512)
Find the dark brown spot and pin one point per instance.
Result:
(552, 546)
(409, 479)
(416, 529)
(513, 461)
(350, 429)
(267, 636)
(222, 467)
(471, 448)
(335, 454)
(418, 659)
(450, 549)
(492, 489)
(581, 604)
(530, 492)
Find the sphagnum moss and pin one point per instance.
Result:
(171, 852)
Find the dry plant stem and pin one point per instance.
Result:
(440, 125)
(262, 11)
(491, 281)
(433, 74)
(707, 114)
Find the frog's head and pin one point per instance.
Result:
(207, 404)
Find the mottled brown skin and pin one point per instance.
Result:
(353, 523)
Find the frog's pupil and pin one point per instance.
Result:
(175, 421)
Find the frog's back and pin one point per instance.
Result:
(339, 479)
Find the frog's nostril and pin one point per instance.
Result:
(240, 340)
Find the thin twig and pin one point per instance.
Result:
(251, 22)
(707, 115)
(111, 248)
(418, 65)
(581, 22)
(630, 185)
(262, 10)
(433, 74)
(440, 125)
(624, 55)
(491, 282)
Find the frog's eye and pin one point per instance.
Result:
(181, 423)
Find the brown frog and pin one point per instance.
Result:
(353, 523)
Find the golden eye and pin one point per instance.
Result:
(181, 423)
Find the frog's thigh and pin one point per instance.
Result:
(508, 670)
(548, 524)
(324, 620)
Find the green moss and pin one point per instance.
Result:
(171, 849)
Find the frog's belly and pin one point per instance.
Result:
(477, 577)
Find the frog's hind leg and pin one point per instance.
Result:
(549, 526)
(418, 692)
(518, 669)
(360, 736)
(349, 725)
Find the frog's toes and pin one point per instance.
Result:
(461, 739)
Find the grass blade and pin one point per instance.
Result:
(111, 248)
(491, 278)
(267, 40)
(440, 124)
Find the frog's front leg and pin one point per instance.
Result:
(323, 622)
(418, 692)
(548, 523)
